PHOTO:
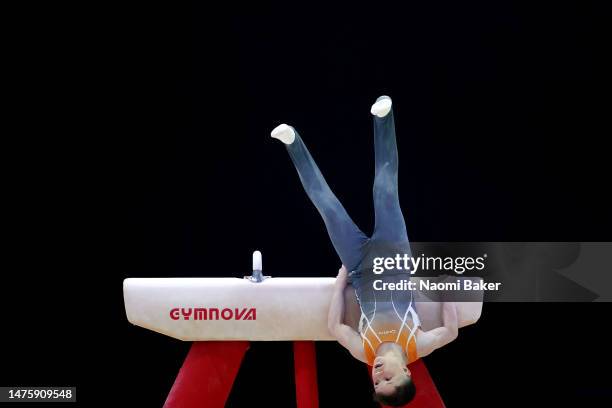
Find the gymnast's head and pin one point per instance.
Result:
(392, 379)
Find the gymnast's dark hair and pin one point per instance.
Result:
(404, 393)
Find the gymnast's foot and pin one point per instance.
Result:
(284, 133)
(382, 106)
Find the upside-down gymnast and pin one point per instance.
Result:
(388, 336)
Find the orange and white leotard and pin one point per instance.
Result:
(390, 319)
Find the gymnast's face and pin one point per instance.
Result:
(388, 373)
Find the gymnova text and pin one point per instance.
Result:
(423, 285)
(213, 313)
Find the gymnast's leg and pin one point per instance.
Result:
(347, 238)
(389, 222)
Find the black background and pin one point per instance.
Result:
(140, 147)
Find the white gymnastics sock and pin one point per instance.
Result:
(284, 133)
(381, 107)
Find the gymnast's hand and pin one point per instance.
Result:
(341, 278)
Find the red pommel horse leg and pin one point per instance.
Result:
(305, 365)
(207, 375)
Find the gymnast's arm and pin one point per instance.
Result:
(434, 339)
(345, 335)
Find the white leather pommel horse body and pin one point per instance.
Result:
(197, 309)
(275, 309)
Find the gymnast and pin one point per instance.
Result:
(388, 336)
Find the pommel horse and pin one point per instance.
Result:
(221, 315)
